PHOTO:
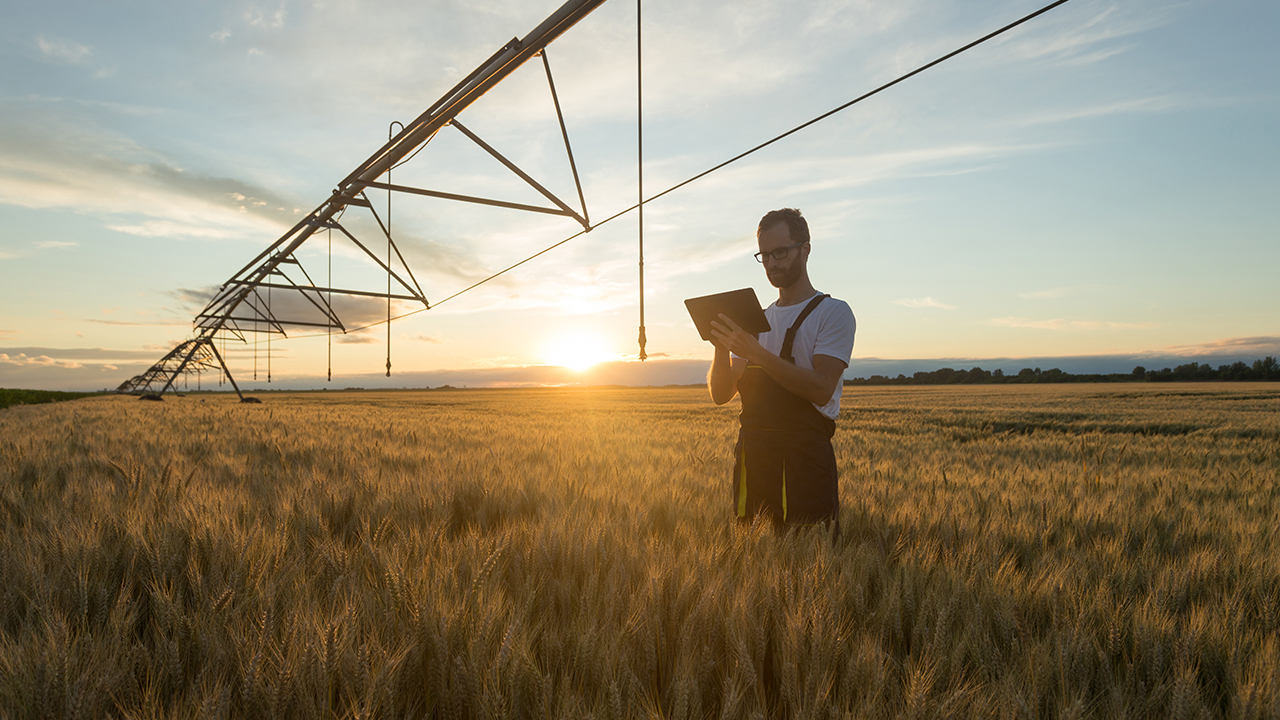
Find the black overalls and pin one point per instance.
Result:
(785, 465)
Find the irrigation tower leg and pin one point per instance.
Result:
(214, 347)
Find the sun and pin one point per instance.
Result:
(576, 350)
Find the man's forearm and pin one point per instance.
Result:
(720, 377)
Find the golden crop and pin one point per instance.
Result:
(1007, 551)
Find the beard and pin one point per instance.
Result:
(785, 277)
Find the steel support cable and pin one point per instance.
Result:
(640, 172)
(269, 334)
(329, 304)
(738, 157)
(390, 129)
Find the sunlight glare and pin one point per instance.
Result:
(576, 350)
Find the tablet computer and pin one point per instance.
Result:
(741, 305)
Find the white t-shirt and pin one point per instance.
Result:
(828, 330)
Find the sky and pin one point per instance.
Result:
(1093, 190)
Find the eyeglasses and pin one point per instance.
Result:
(779, 254)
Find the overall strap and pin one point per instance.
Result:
(791, 331)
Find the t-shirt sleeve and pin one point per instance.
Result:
(835, 333)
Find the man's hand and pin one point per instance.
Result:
(817, 385)
(722, 379)
(729, 336)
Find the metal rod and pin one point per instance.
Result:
(299, 323)
(183, 365)
(523, 175)
(564, 132)
(340, 291)
(380, 263)
(327, 311)
(467, 198)
(226, 370)
(386, 230)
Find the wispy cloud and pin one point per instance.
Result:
(924, 302)
(260, 17)
(1064, 324)
(87, 354)
(66, 52)
(47, 244)
(48, 164)
(63, 51)
(22, 359)
(1152, 104)
(358, 338)
(1104, 33)
(1258, 345)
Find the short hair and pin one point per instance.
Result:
(797, 227)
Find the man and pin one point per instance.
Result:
(790, 380)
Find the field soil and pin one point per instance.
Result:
(1059, 551)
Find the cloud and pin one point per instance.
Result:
(1258, 345)
(924, 302)
(1066, 40)
(1063, 324)
(63, 51)
(81, 353)
(194, 299)
(426, 339)
(265, 18)
(66, 52)
(56, 244)
(22, 359)
(1123, 107)
(358, 338)
(49, 163)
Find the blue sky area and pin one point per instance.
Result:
(1094, 190)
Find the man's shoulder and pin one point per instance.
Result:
(835, 307)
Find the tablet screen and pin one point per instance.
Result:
(741, 305)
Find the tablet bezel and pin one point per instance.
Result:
(741, 305)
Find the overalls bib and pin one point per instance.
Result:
(785, 465)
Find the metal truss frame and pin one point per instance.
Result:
(243, 304)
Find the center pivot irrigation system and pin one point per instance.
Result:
(244, 306)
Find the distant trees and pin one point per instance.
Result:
(1265, 369)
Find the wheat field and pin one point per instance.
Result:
(1065, 551)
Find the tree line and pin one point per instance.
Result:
(10, 396)
(1265, 369)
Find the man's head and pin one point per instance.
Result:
(783, 237)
